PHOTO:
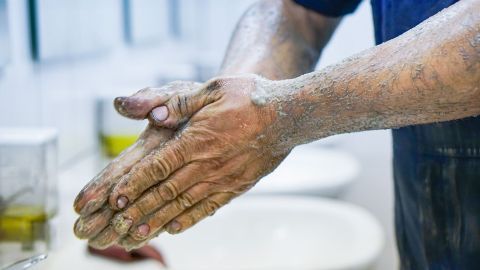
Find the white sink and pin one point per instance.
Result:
(252, 232)
(311, 170)
(278, 232)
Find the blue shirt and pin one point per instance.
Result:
(436, 166)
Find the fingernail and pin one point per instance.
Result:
(175, 226)
(143, 229)
(122, 201)
(119, 100)
(118, 103)
(159, 113)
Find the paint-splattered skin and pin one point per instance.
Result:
(242, 126)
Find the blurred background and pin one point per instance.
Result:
(62, 62)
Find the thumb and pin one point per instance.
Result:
(138, 105)
(180, 107)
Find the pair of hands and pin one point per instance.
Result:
(205, 144)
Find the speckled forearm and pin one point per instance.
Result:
(429, 74)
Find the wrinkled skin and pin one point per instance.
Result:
(233, 130)
(284, 44)
(94, 194)
(220, 153)
(91, 202)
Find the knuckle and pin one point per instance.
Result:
(149, 203)
(168, 191)
(163, 164)
(123, 186)
(186, 200)
(137, 210)
(214, 163)
(160, 167)
(215, 84)
(210, 206)
(180, 106)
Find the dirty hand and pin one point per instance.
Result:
(91, 203)
(230, 141)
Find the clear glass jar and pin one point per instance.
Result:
(28, 189)
(116, 133)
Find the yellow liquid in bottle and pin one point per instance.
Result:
(115, 144)
(23, 223)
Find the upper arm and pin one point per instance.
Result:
(314, 27)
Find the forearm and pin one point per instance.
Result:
(277, 39)
(429, 74)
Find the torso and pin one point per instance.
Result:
(436, 169)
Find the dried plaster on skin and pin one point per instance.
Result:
(342, 93)
(269, 92)
(121, 224)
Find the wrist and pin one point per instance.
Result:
(279, 99)
(309, 108)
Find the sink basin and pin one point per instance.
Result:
(252, 233)
(278, 232)
(311, 170)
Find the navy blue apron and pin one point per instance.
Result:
(436, 166)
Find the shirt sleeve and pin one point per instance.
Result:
(331, 8)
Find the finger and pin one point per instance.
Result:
(201, 210)
(104, 239)
(180, 107)
(156, 197)
(95, 193)
(141, 103)
(151, 170)
(89, 226)
(129, 243)
(154, 223)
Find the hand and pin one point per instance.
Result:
(91, 201)
(226, 146)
